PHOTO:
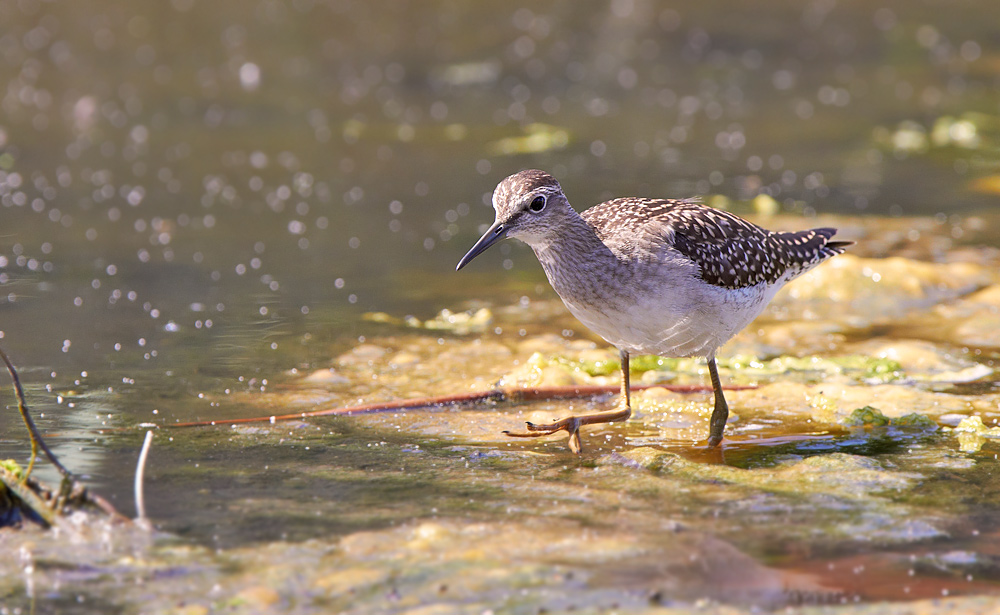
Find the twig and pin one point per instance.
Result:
(36, 438)
(140, 471)
(69, 488)
(496, 396)
(106, 506)
(24, 490)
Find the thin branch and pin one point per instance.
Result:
(36, 438)
(512, 394)
(140, 471)
(107, 507)
(25, 491)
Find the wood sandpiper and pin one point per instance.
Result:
(673, 278)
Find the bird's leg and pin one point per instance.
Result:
(718, 421)
(572, 424)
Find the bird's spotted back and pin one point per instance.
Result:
(728, 251)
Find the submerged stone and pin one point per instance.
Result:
(327, 376)
(972, 434)
(975, 425)
(869, 416)
(866, 416)
(839, 474)
(861, 291)
(975, 320)
(914, 419)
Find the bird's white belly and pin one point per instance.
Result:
(667, 324)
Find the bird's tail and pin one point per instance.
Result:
(831, 248)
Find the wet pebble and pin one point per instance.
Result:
(863, 291)
(362, 353)
(326, 376)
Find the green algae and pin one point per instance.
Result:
(589, 367)
(11, 467)
(870, 416)
(835, 474)
(975, 425)
(645, 363)
(874, 369)
(745, 367)
(914, 419)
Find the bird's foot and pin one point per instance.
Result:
(571, 425)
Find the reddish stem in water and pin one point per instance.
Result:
(496, 396)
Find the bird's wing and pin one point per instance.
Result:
(728, 251)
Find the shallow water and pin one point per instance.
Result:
(225, 210)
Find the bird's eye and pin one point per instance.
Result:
(537, 204)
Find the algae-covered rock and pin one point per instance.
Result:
(599, 363)
(648, 458)
(975, 425)
(872, 362)
(771, 338)
(362, 354)
(844, 475)
(540, 371)
(980, 330)
(256, 597)
(975, 319)
(867, 416)
(865, 291)
(839, 474)
(644, 363)
(918, 360)
(914, 419)
(326, 376)
(591, 367)
(972, 433)
(527, 565)
(751, 369)
(833, 402)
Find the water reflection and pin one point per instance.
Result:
(314, 167)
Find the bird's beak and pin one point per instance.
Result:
(494, 234)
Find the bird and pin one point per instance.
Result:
(667, 277)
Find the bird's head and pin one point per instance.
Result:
(530, 206)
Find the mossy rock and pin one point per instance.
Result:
(870, 416)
